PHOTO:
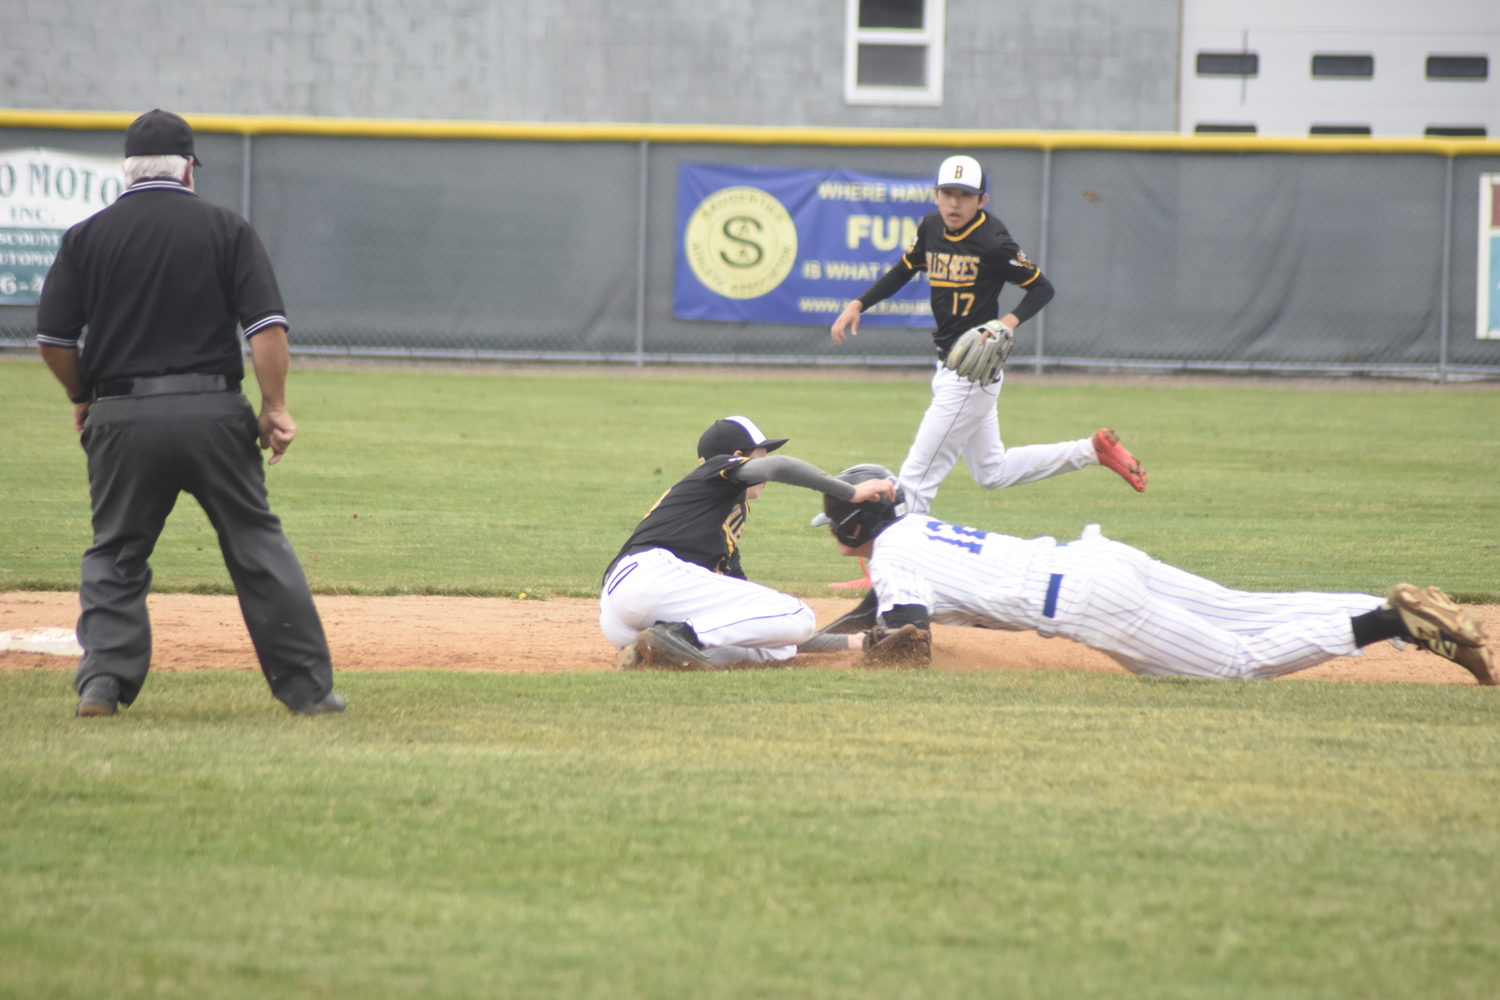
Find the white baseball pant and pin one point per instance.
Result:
(961, 422)
(1157, 619)
(735, 620)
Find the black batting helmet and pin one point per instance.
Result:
(857, 523)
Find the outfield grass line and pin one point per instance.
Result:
(919, 371)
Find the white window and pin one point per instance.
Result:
(893, 51)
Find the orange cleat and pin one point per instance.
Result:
(1113, 455)
(863, 583)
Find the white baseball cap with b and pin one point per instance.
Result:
(964, 173)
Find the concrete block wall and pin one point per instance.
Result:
(1083, 64)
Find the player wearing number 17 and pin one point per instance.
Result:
(969, 257)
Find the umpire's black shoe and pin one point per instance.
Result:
(327, 705)
(670, 646)
(100, 696)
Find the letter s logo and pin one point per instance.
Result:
(740, 242)
(746, 252)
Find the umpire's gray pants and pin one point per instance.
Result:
(142, 452)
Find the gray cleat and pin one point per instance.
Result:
(327, 705)
(668, 646)
(861, 619)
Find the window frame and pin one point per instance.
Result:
(931, 35)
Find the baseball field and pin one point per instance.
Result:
(512, 818)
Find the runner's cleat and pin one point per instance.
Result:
(1442, 627)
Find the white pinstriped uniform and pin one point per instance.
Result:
(736, 620)
(1150, 617)
(961, 422)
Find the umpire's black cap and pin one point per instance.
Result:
(732, 434)
(160, 133)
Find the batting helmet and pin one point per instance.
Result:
(857, 523)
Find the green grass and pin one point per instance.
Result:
(760, 834)
(495, 485)
(765, 833)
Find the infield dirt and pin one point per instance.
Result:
(501, 635)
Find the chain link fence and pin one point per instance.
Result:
(564, 250)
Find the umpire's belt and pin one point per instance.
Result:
(162, 385)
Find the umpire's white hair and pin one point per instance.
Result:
(139, 168)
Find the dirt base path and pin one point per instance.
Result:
(195, 632)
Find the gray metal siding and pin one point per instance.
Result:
(1089, 64)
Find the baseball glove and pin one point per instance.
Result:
(907, 646)
(979, 354)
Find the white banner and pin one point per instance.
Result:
(42, 193)
(1489, 257)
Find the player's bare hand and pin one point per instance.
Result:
(848, 319)
(80, 414)
(1008, 321)
(872, 488)
(277, 429)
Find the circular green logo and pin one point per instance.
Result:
(741, 242)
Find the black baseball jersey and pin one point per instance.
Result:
(967, 271)
(161, 279)
(699, 520)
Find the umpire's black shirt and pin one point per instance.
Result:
(161, 278)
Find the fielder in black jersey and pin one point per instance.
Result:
(967, 269)
(675, 597)
(699, 520)
(969, 257)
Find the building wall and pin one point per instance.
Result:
(1283, 98)
(1084, 64)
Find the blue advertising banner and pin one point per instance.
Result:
(788, 245)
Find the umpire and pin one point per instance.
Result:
(160, 280)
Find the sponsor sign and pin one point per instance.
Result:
(1488, 312)
(43, 192)
(788, 245)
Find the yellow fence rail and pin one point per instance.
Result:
(748, 135)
